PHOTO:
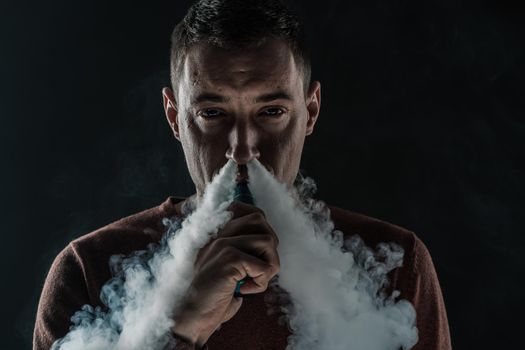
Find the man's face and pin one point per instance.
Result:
(241, 106)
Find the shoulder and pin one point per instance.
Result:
(130, 231)
(93, 251)
(416, 279)
(416, 258)
(81, 269)
(374, 231)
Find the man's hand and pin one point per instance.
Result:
(245, 246)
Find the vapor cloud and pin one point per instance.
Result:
(332, 286)
(143, 297)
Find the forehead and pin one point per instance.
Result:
(269, 66)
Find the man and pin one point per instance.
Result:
(241, 90)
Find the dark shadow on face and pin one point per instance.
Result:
(242, 105)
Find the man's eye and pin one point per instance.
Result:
(273, 112)
(211, 113)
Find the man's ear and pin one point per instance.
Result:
(171, 111)
(313, 105)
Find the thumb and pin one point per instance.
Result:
(234, 306)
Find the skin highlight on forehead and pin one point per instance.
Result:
(270, 67)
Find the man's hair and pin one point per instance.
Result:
(237, 25)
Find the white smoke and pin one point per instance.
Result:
(143, 300)
(332, 287)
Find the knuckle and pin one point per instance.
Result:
(258, 217)
(274, 269)
(272, 240)
(258, 211)
(275, 240)
(233, 271)
(267, 238)
(217, 243)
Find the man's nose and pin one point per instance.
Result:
(243, 140)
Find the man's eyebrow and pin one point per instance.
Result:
(278, 95)
(212, 97)
(209, 97)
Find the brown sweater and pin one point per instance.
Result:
(81, 269)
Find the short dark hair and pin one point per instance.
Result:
(237, 25)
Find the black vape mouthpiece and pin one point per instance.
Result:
(242, 193)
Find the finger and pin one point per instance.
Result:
(240, 265)
(253, 223)
(250, 224)
(240, 209)
(262, 246)
(252, 287)
(234, 306)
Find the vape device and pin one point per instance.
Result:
(242, 194)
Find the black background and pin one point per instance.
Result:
(422, 125)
